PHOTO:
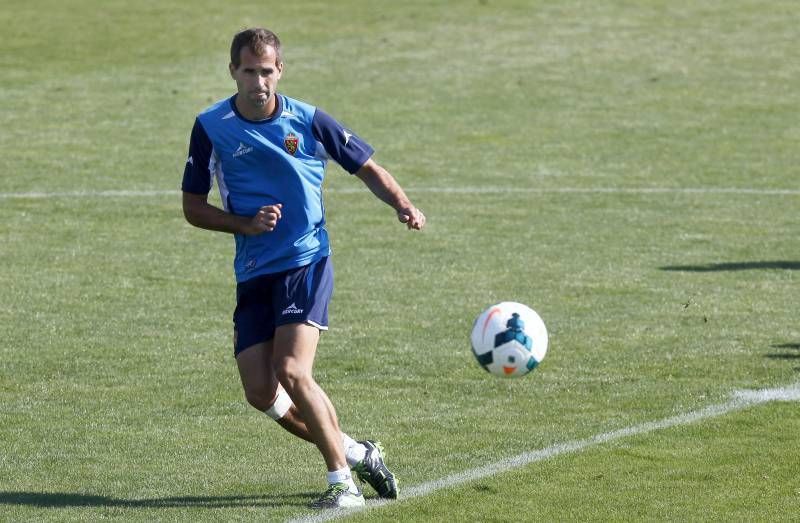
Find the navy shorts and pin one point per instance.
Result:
(265, 302)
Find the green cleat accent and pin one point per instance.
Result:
(373, 470)
(338, 495)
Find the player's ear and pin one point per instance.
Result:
(232, 69)
(280, 69)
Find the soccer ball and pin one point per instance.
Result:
(509, 339)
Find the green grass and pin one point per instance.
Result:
(537, 137)
(715, 470)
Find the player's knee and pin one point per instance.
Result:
(259, 397)
(280, 406)
(292, 376)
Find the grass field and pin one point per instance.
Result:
(628, 169)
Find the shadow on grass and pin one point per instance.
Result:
(736, 266)
(789, 356)
(71, 499)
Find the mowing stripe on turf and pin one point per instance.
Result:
(739, 400)
(34, 195)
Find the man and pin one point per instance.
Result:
(268, 153)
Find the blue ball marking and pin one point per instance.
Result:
(513, 332)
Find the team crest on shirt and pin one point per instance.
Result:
(290, 142)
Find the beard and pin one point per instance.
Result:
(260, 100)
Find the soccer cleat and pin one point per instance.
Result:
(373, 470)
(338, 495)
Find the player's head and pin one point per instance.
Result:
(256, 66)
(256, 40)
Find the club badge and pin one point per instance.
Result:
(290, 142)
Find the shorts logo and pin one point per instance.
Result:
(290, 142)
(292, 309)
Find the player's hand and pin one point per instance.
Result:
(412, 217)
(265, 220)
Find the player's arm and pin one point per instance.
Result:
(196, 185)
(385, 187)
(355, 156)
(202, 214)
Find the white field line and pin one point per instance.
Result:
(85, 194)
(36, 195)
(739, 400)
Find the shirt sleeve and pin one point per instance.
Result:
(347, 149)
(197, 173)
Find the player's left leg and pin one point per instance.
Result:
(293, 356)
(264, 393)
(365, 458)
(294, 350)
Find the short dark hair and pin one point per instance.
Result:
(256, 39)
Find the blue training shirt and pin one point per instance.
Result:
(278, 160)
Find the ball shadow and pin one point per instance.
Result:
(736, 266)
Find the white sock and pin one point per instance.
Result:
(342, 476)
(353, 450)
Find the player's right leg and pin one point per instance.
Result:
(254, 330)
(372, 469)
(264, 393)
(258, 300)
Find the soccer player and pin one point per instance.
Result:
(268, 154)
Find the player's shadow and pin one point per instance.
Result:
(791, 352)
(74, 499)
(785, 265)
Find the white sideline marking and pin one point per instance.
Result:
(739, 400)
(34, 195)
(85, 194)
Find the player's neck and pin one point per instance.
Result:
(256, 112)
